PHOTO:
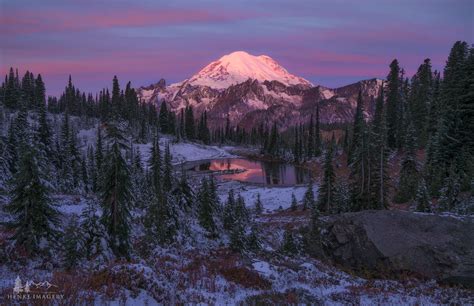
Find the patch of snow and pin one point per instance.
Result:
(256, 104)
(327, 93)
(263, 268)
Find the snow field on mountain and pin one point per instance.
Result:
(240, 66)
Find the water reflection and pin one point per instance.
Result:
(267, 173)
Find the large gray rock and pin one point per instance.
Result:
(393, 242)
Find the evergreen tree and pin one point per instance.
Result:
(116, 196)
(185, 192)
(296, 147)
(203, 130)
(289, 246)
(67, 180)
(294, 203)
(253, 239)
(163, 119)
(98, 159)
(423, 202)
(272, 146)
(11, 91)
(359, 161)
(359, 127)
(84, 175)
(160, 220)
(409, 174)
(189, 123)
(237, 237)
(456, 140)
(139, 182)
(116, 104)
(393, 105)
(44, 130)
(308, 199)
(40, 92)
(342, 197)
(5, 174)
(206, 209)
(327, 187)
(34, 216)
(12, 149)
(167, 169)
(228, 216)
(317, 142)
(310, 145)
(258, 205)
(448, 199)
(379, 155)
(72, 244)
(240, 219)
(421, 99)
(92, 232)
(345, 145)
(155, 167)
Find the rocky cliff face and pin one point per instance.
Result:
(393, 242)
(252, 102)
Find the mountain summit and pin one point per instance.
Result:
(237, 67)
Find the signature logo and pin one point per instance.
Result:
(19, 288)
(34, 290)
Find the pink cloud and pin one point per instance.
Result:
(28, 22)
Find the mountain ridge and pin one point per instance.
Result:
(233, 86)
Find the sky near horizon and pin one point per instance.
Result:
(331, 43)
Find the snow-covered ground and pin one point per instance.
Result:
(186, 151)
(206, 272)
(181, 151)
(273, 198)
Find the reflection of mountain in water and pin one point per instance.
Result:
(260, 172)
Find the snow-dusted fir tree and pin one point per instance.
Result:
(228, 216)
(258, 205)
(167, 169)
(92, 232)
(35, 219)
(253, 239)
(72, 244)
(378, 156)
(422, 200)
(99, 159)
(342, 197)
(294, 202)
(409, 174)
(206, 208)
(185, 192)
(155, 167)
(289, 246)
(116, 196)
(448, 199)
(327, 188)
(308, 199)
(241, 218)
(5, 173)
(139, 188)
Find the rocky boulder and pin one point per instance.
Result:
(394, 242)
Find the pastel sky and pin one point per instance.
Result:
(331, 43)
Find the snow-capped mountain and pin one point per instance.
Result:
(252, 89)
(238, 67)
